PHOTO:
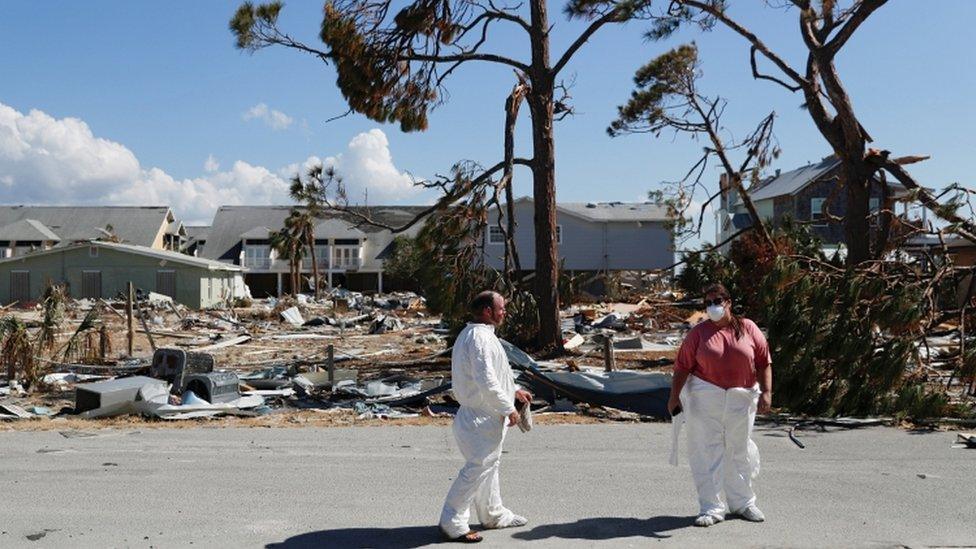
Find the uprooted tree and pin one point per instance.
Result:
(392, 65)
(825, 27)
(850, 340)
(845, 339)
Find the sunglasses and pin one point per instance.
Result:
(716, 301)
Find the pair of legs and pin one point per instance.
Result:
(479, 437)
(721, 453)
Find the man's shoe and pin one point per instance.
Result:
(514, 521)
(707, 520)
(752, 514)
(470, 537)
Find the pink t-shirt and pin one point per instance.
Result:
(716, 356)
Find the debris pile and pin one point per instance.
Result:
(367, 356)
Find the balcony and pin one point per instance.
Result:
(346, 263)
(264, 263)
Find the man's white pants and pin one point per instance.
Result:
(479, 437)
(721, 452)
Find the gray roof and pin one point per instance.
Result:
(196, 233)
(792, 182)
(133, 224)
(230, 222)
(27, 230)
(257, 233)
(166, 255)
(615, 211)
(606, 212)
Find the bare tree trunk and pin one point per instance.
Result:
(857, 225)
(544, 180)
(296, 271)
(315, 263)
(512, 104)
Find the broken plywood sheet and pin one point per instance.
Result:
(573, 342)
(293, 316)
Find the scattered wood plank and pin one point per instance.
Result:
(226, 343)
(108, 306)
(176, 311)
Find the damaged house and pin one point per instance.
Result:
(349, 254)
(97, 250)
(27, 228)
(806, 194)
(98, 269)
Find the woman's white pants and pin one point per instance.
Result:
(721, 452)
(479, 437)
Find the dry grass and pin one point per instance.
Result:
(285, 420)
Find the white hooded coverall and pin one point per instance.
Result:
(485, 387)
(721, 452)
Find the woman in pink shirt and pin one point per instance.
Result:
(722, 377)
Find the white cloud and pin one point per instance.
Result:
(211, 165)
(367, 170)
(44, 160)
(277, 120)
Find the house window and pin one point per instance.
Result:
(345, 257)
(91, 284)
(816, 209)
(257, 257)
(559, 234)
(93, 251)
(495, 235)
(20, 286)
(874, 204)
(166, 283)
(322, 255)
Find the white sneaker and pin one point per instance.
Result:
(752, 514)
(514, 521)
(707, 520)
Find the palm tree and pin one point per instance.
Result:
(288, 245)
(309, 193)
(302, 223)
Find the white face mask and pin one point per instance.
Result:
(715, 312)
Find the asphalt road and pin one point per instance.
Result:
(579, 485)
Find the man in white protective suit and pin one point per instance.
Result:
(484, 386)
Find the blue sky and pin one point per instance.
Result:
(160, 88)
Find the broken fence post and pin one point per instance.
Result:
(128, 315)
(608, 360)
(145, 326)
(330, 364)
(104, 342)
